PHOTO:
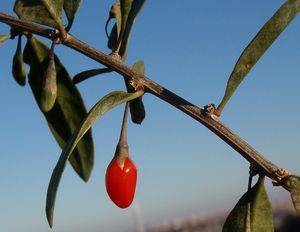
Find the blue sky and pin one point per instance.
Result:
(184, 169)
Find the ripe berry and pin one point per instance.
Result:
(121, 181)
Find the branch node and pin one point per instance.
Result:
(279, 174)
(209, 110)
(115, 55)
(56, 36)
(135, 83)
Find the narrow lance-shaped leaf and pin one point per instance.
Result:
(125, 6)
(55, 9)
(257, 47)
(89, 73)
(18, 67)
(45, 12)
(101, 107)
(256, 207)
(71, 7)
(292, 184)
(137, 109)
(113, 38)
(115, 12)
(68, 110)
(3, 38)
(49, 87)
(136, 7)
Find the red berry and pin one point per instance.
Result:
(120, 181)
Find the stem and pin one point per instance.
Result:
(121, 153)
(249, 153)
(249, 186)
(23, 25)
(122, 147)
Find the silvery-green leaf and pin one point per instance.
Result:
(292, 184)
(114, 37)
(47, 12)
(89, 73)
(136, 7)
(253, 212)
(49, 86)
(257, 47)
(71, 7)
(68, 110)
(18, 67)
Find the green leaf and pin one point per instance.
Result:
(54, 8)
(253, 212)
(89, 73)
(137, 109)
(115, 12)
(71, 7)
(47, 12)
(257, 47)
(136, 7)
(49, 86)
(125, 6)
(113, 38)
(139, 67)
(68, 110)
(3, 38)
(101, 107)
(18, 67)
(292, 184)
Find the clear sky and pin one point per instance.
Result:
(184, 169)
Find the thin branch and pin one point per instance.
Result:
(24, 26)
(249, 153)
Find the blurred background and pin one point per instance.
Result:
(185, 171)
